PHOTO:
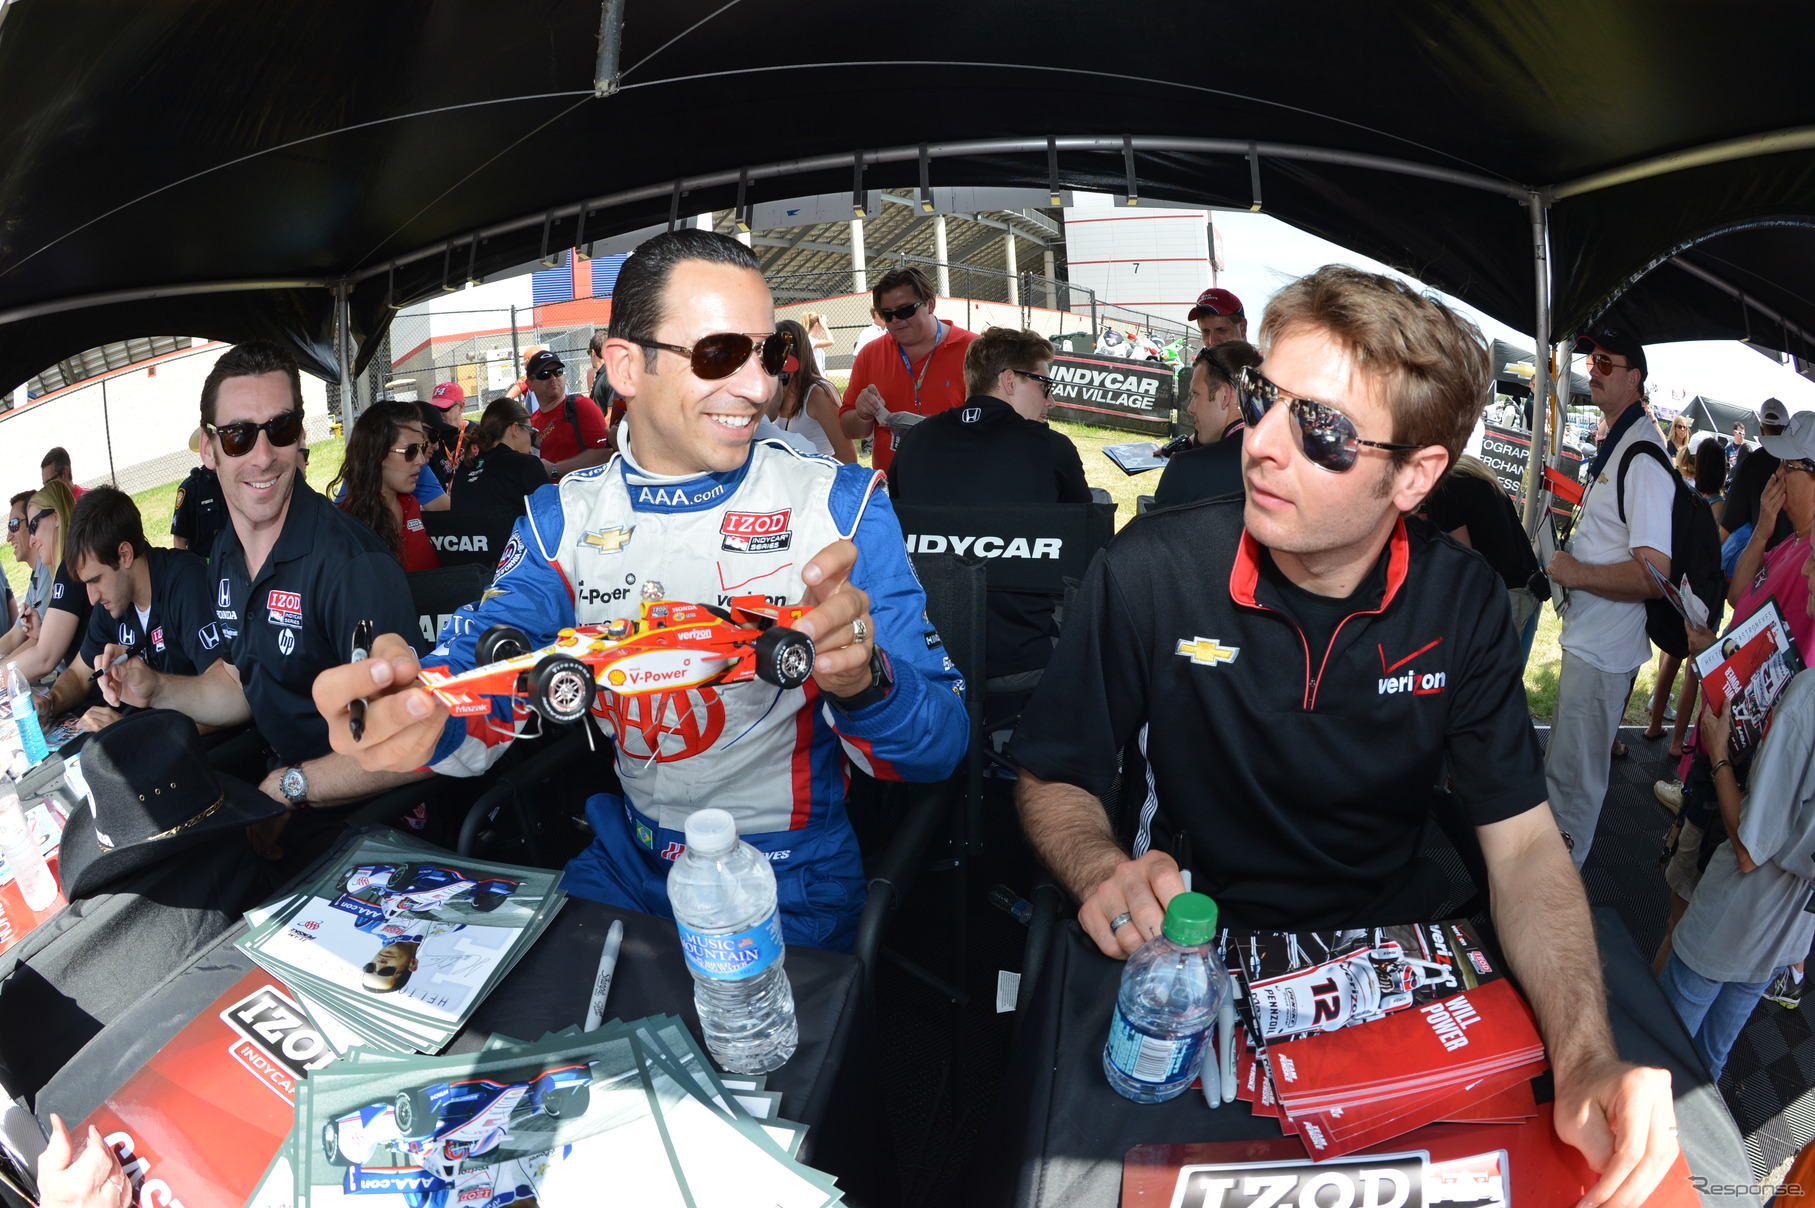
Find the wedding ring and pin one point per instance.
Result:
(860, 632)
(1120, 921)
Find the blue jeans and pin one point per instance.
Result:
(1712, 1012)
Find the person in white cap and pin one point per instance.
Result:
(1754, 471)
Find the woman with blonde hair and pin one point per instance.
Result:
(805, 402)
(66, 613)
(818, 335)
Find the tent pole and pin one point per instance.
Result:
(1540, 378)
(611, 47)
(1565, 360)
(343, 348)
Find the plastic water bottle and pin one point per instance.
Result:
(1166, 1008)
(723, 894)
(25, 715)
(19, 847)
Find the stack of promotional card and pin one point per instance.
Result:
(1354, 1037)
(631, 1113)
(394, 946)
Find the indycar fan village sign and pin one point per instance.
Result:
(1109, 392)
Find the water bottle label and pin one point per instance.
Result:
(31, 734)
(736, 956)
(1152, 1058)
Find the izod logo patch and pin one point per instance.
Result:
(277, 1042)
(285, 609)
(756, 532)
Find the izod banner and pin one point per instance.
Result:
(1110, 392)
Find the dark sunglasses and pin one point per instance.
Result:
(31, 526)
(411, 451)
(1603, 363)
(14, 523)
(719, 356)
(550, 373)
(1804, 464)
(381, 970)
(900, 312)
(535, 437)
(1328, 436)
(1046, 383)
(237, 439)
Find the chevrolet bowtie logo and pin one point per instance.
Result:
(1207, 652)
(608, 541)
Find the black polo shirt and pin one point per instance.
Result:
(498, 480)
(180, 634)
(982, 453)
(295, 618)
(67, 594)
(1303, 777)
(1203, 472)
(201, 512)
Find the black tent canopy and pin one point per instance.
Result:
(1712, 415)
(233, 170)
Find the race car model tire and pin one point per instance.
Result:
(561, 688)
(784, 657)
(568, 1102)
(403, 874)
(330, 1146)
(501, 642)
(485, 903)
(415, 1115)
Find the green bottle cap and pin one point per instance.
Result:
(1190, 919)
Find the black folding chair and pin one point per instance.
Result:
(470, 536)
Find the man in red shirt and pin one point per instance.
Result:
(572, 428)
(914, 371)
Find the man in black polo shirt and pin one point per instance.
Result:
(291, 577)
(998, 448)
(1302, 669)
(154, 602)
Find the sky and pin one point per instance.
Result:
(1260, 253)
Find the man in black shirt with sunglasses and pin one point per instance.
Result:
(291, 576)
(1298, 672)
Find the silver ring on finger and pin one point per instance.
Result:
(860, 631)
(1120, 921)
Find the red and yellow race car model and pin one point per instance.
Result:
(673, 645)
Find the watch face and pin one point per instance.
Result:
(294, 784)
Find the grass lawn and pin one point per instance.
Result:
(157, 504)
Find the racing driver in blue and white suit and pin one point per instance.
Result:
(694, 504)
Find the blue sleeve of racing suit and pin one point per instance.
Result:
(428, 487)
(529, 592)
(920, 730)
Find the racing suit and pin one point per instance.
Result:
(774, 758)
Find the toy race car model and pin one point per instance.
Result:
(398, 889)
(673, 645)
(445, 1127)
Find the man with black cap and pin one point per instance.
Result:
(1625, 515)
(1219, 317)
(200, 512)
(1755, 470)
(573, 429)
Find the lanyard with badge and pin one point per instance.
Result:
(925, 367)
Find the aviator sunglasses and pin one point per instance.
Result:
(1329, 437)
(31, 526)
(237, 439)
(415, 449)
(1604, 364)
(719, 356)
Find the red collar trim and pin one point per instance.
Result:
(1246, 571)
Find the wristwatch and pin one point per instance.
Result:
(294, 786)
(880, 684)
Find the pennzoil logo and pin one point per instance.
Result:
(277, 1042)
(607, 540)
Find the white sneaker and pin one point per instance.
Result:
(1669, 794)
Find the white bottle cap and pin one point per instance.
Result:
(710, 831)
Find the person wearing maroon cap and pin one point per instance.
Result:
(1624, 516)
(1219, 317)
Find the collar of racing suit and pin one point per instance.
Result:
(675, 493)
